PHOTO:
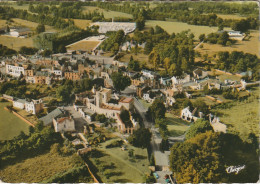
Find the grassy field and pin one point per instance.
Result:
(242, 117)
(10, 125)
(2, 23)
(32, 25)
(140, 57)
(37, 169)
(107, 14)
(83, 45)
(247, 46)
(176, 126)
(177, 27)
(124, 171)
(81, 23)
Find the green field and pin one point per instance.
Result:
(107, 13)
(242, 117)
(10, 125)
(176, 126)
(37, 169)
(124, 171)
(177, 27)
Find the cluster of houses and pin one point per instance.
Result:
(147, 85)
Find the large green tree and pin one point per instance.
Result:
(205, 158)
(157, 110)
(200, 126)
(120, 81)
(140, 138)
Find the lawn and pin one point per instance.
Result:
(176, 126)
(31, 117)
(227, 16)
(10, 125)
(242, 117)
(37, 169)
(177, 27)
(107, 13)
(124, 170)
(2, 23)
(145, 103)
(83, 45)
(247, 46)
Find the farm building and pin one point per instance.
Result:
(20, 32)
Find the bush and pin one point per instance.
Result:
(116, 143)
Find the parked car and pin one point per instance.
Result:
(156, 175)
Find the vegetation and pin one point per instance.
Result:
(156, 110)
(5, 51)
(40, 28)
(140, 138)
(120, 82)
(216, 152)
(28, 50)
(200, 126)
(10, 125)
(113, 42)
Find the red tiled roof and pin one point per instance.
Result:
(126, 100)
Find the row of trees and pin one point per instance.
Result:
(238, 62)
(5, 51)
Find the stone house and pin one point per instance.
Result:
(64, 124)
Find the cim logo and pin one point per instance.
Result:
(235, 169)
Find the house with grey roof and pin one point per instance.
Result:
(48, 119)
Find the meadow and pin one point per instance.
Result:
(250, 45)
(10, 125)
(37, 169)
(124, 170)
(107, 13)
(177, 27)
(242, 117)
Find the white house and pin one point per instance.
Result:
(216, 124)
(148, 74)
(64, 124)
(34, 106)
(187, 115)
(20, 103)
(180, 80)
(146, 97)
(15, 71)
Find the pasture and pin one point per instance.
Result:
(250, 45)
(227, 16)
(82, 23)
(177, 27)
(10, 125)
(107, 13)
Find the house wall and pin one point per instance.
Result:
(66, 125)
(18, 105)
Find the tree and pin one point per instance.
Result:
(134, 65)
(202, 37)
(200, 126)
(62, 49)
(205, 158)
(120, 82)
(63, 93)
(40, 28)
(201, 106)
(140, 138)
(157, 110)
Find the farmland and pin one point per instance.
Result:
(107, 13)
(177, 27)
(37, 169)
(81, 23)
(10, 125)
(247, 46)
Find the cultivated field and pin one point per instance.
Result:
(177, 27)
(107, 13)
(140, 57)
(124, 170)
(242, 117)
(83, 45)
(81, 23)
(10, 125)
(2, 23)
(247, 46)
(37, 169)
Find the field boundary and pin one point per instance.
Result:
(21, 117)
